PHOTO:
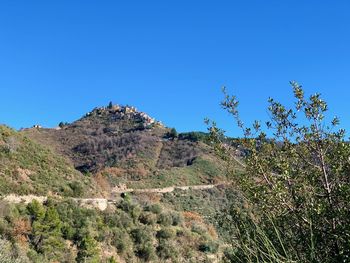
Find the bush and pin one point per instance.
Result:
(194, 136)
(146, 251)
(68, 231)
(8, 253)
(88, 250)
(141, 235)
(77, 188)
(172, 133)
(199, 229)
(5, 228)
(53, 247)
(154, 208)
(177, 219)
(134, 210)
(165, 219)
(124, 220)
(148, 218)
(167, 250)
(121, 240)
(36, 210)
(166, 233)
(295, 182)
(112, 260)
(63, 124)
(209, 246)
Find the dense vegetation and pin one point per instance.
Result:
(107, 147)
(130, 231)
(296, 185)
(210, 205)
(282, 193)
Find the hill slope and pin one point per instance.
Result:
(121, 145)
(27, 167)
(105, 153)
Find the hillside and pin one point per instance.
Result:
(130, 231)
(28, 167)
(140, 185)
(119, 145)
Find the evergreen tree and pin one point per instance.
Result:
(110, 105)
(88, 250)
(46, 231)
(172, 133)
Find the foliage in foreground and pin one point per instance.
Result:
(296, 184)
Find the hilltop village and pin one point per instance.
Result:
(126, 112)
(120, 112)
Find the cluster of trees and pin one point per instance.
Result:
(194, 136)
(295, 186)
(54, 231)
(62, 231)
(63, 124)
(172, 134)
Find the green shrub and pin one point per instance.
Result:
(209, 246)
(8, 253)
(199, 229)
(121, 240)
(141, 235)
(68, 231)
(172, 133)
(5, 229)
(177, 219)
(167, 250)
(154, 208)
(165, 219)
(195, 136)
(134, 210)
(88, 250)
(35, 257)
(119, 219)
(77, 188)
(125, 220)
(53, 247)
(146, 251)
(112, 260)
(148, 218)
(36, 210)
(295, 182)
(166, 233)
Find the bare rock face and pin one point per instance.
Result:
(25, 199)
(96, 203)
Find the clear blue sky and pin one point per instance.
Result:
(60, 59)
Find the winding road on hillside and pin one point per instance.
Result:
(102, 203)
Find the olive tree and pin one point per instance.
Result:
(295, 183)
